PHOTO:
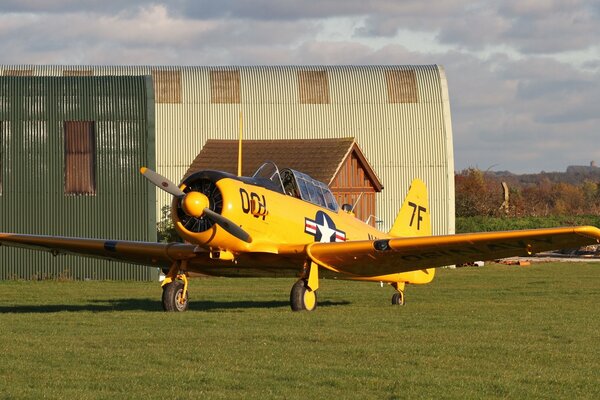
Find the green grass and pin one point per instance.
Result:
(492, 332)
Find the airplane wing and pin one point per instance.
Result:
(359, 258)
(388, 256)
(144, 253)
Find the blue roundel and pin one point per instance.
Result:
(323, 229)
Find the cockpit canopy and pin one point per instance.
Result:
(297, 184)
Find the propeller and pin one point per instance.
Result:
(228, 225)
(195, 204)
(161, 182)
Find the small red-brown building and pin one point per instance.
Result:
(337, 162)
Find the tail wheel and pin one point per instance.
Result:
(302, 298)
(398, 299)
(173, 298)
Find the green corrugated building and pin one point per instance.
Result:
(70, 152)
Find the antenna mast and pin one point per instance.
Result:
(239, 172)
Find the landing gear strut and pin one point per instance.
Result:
(174, 297)
(304, 292)
(175, 288)
(398, 297)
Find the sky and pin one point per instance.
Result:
(523, 75)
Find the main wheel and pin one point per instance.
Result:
(172, 295)
(302, 298)
(398, 299)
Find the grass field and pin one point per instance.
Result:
(492, 332)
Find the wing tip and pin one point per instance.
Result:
(588, 230)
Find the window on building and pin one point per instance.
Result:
(313, 87)
(80, 158)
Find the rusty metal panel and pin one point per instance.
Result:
(34, 111)
(3, 144)
(167, 86)
(225, 87)
(402, 86)
(80, 158)
(75, 72)
(313, 87)
(18, 72)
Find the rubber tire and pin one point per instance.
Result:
(298, 297)
(398, 299)
(171, 292)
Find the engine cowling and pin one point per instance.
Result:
(201, 190)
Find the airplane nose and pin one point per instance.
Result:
(194, 203)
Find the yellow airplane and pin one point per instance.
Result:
(284, 223)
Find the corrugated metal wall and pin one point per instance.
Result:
(399, 115)
(33, 112)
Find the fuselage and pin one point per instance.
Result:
(274, 220)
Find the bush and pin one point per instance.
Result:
(487, 224)
(165, 230)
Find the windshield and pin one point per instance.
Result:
(269, 171)
(306, 188)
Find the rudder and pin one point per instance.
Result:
(413, 219)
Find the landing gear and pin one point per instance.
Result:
(304, 292)
(175, 288)
(302, 298)
(398, 297)
(174, 297)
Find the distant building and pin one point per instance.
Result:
(399, 115)
(592, 169)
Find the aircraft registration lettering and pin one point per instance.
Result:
(506, 246)
(253, 203)
(417, 210)
(440, 253)
(370, 236)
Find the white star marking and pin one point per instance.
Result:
(326, 232)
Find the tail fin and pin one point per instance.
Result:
(413, 218)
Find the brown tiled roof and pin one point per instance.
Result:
(319, 158)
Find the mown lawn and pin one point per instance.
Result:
(491, 332)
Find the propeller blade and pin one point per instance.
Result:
(228, 225)
(161, 182)
(169, 187)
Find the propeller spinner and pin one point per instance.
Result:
(195, 204)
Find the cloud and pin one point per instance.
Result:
(73, 6)
(523, 75)
(525, 115)
(540, 27)
(551, 26)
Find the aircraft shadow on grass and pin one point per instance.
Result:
(150, 306)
